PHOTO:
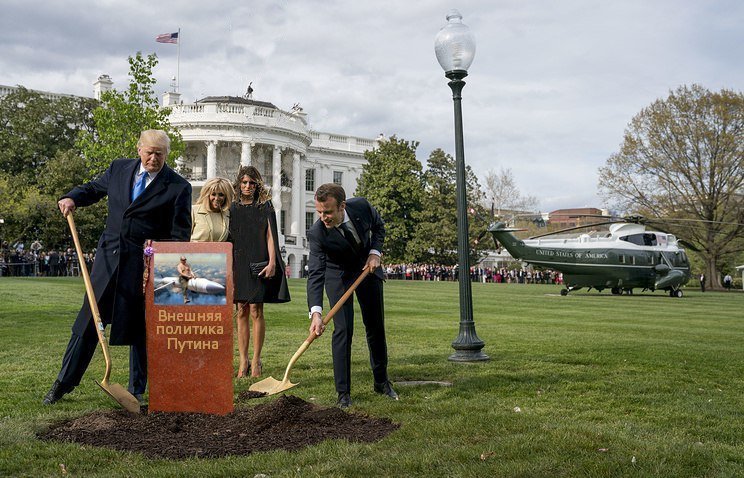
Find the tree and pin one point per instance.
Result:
(30, 210)
(121, 118)
(504, 195)
(36, 131)
(683, 158)
(40, 144)
(435, 240)
(33, 128)
(391, 181)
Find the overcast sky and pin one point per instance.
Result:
(549, 94)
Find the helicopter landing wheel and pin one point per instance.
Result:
(564, 291)
(677, 293)
(616, 291)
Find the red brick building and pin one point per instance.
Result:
(564, 218)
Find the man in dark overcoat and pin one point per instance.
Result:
(146, 200)
(348, 236)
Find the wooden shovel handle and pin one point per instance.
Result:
(341, 302)
(91, 296)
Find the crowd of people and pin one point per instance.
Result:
(438, 272)
(16, 260)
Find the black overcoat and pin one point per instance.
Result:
(161, 213)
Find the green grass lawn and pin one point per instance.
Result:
(641, 385)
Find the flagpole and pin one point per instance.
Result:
(178, 61)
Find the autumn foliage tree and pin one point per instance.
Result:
(682, 160)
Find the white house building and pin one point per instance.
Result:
(222, 133)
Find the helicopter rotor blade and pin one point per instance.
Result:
(707, 221)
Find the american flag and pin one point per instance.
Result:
(167, 38)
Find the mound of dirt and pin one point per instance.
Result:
(287, 423)
(250, 394)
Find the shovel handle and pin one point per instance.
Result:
(285, 383)
(91, 297)
(341, 302)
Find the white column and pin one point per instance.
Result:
(297, 197)
(245, 153)
(211, 159)
(276, 187)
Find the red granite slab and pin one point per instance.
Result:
(189, 345)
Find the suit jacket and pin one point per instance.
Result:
(162, 212)
(331, 255)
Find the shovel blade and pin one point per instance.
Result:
(121, 396)
(270, 386)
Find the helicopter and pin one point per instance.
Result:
(628, 256)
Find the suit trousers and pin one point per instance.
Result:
(80, 352)
(370, 298)
(81, 348)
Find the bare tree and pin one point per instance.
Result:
(683, 157)
(502, 194)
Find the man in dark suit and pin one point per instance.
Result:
(146, 200)
(348, 236)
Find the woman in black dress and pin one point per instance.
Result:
(258, 270)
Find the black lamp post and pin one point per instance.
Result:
(455, 48)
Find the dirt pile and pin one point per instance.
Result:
(287, 423)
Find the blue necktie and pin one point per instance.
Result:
(139, 186)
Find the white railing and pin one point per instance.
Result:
(240, 114)
(186, 109)
(231, 113)
(338, 141)
(230, 109)
(261, 111)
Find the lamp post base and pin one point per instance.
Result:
(468, 356)
(468, 347)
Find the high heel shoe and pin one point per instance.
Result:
(245, 373)
(257, 370)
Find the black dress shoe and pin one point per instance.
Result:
(386, 388)
(56, 392)
(344, 400)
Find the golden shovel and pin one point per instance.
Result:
(270, 385)
(115, 391)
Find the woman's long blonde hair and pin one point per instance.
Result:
(261, 194)
(218, 185)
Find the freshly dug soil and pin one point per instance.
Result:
(287, 423)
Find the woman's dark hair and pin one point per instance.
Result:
(261, 193)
